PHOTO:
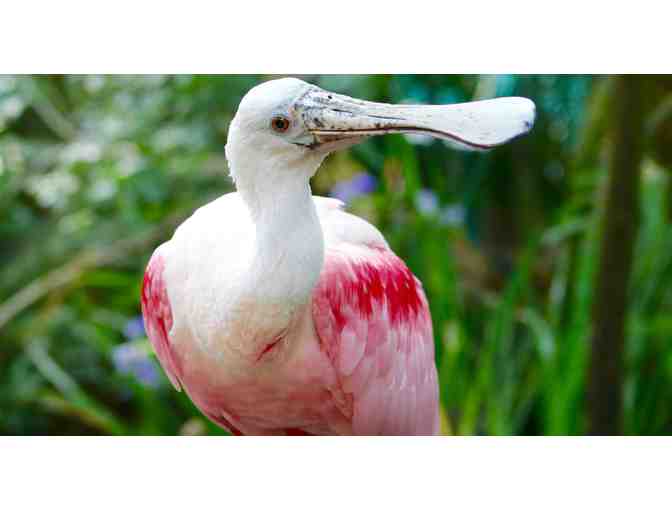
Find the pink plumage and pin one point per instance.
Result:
(373, 321)
(278, 312)
(373, 340)
(158, 316)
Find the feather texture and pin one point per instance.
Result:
(372, 318)
(357, 358)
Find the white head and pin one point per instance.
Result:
(284, 128)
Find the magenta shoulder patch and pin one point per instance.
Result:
(373, 322)
(158, 317)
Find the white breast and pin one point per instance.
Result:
(206, 261)
(208, 268)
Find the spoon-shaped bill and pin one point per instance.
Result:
(477, 125)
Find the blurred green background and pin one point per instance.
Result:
(547, 262)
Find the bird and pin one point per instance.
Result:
(280, 313)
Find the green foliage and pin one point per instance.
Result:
(95, 172)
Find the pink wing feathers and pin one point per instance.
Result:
(373, 324)
(158, 316)
(373, 321)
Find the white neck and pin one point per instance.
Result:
(289, 248)
(289, 244)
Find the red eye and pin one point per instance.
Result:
(280, 124)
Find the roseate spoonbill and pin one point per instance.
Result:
(280, 313)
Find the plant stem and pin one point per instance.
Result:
(619, 229)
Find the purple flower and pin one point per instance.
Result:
(360, 184)
(453, 215)
(427, 202)
(135, 328)
(133, 358)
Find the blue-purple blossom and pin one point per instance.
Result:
(453, 215)
(135, 328)
(132, 358)
(360, 184)
(427, 202)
